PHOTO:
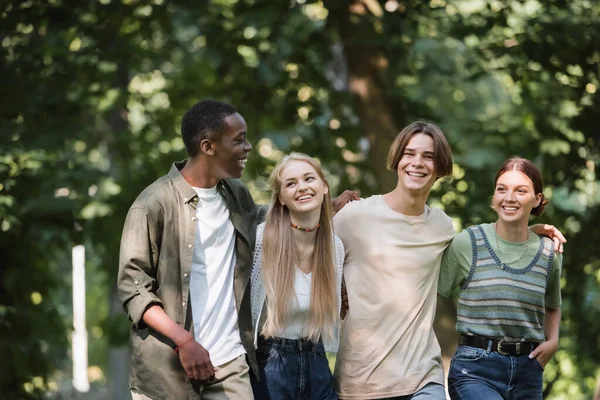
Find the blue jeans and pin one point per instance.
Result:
(292, 369)
(431, 391)
(483, 374)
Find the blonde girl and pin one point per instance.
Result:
(296, 285)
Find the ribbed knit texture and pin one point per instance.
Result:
(498, 301)
(298, 309)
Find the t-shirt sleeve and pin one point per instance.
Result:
(553, 295)
(456, 264)
(339, 225)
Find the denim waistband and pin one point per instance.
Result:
(292, 345)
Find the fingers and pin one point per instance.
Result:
(196, 363)
(556, 233)
(542, 359)
(558, 246)
(535, 352)
(350, 195)
(201, 372)
(210, 371)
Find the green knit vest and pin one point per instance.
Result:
(497, 301)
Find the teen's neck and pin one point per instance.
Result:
(305, 220)
(406, 203)
(198, 172)
(512, 232)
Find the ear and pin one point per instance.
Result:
(281, 200)
(207, 146)
(539, 197)
(326, 189)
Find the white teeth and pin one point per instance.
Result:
(305, 197)
(416, 174)
(510, 208)
(242, 162)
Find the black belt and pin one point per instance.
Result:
(506, 348)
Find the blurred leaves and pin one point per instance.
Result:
(94, 93)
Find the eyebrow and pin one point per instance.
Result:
(305, 175)
(414, 150)
(518, 186)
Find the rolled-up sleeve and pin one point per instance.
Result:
(136, 282)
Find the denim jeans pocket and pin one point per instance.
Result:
(261, 357)
(264, 353)
(273, 353)
(468, 353)
(320, 351)
(537, 363)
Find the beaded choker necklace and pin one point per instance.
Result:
(499, 251)
(306, 229)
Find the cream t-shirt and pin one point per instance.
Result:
(387, 344)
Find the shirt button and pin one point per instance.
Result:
(185, 275)
(137, 282)
(183, 304)
(185, 199)
(189, 245)
(193, 218)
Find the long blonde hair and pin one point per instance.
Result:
(280, 257)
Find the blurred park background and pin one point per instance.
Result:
(92, 98)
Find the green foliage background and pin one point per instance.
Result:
(94, 91)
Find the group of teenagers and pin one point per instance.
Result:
(232, 300)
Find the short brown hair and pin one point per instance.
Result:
(528, 168)
(442, 154)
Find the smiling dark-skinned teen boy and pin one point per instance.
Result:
(185, 260)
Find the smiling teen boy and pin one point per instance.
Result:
(394, 245)
(185, 261)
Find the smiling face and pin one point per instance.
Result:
(230, 151)
(416, 168)
(514, 196)
(302, 190)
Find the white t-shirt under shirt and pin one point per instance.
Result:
(387, 344)
(211, 282)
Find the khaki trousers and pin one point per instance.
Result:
(232, 382)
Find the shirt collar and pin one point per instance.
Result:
(186, 191)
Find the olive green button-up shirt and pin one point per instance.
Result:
(155, 265)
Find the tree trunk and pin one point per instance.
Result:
(367, 77)
(381, 118)
(118, 154)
